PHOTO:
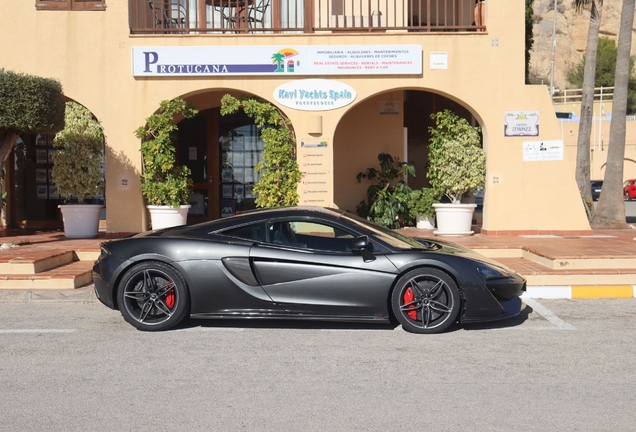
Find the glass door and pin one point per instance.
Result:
(240, 150)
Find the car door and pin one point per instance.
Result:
(310, 271)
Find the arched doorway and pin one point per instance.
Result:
(222, 152)
(395, 122)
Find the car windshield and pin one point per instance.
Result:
(388, 236)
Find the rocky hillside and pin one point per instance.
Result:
(572, 28)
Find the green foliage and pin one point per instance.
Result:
(606, 71)
(457, 162)
(529, 35)
(279, 172)
(162, 181)
(80, 149)
(387, 201)
(421, 202)
(30, 104)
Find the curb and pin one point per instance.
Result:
(580, 292)
(86, 294)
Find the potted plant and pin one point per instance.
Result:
(457, 165)
(165, 185)
(421, 207)
(387, 200)
(77, 170)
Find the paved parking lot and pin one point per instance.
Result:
(561, 365)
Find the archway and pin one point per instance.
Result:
(32, 199)
(394, 122)
(222, 153)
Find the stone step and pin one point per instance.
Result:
(565, 262)
(539, 275)
(68, 276)
(32, 260)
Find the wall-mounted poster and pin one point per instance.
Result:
(41, 156)
(249, 191)
(238, 192)
(521, 123)
(43, 191)
(53, 192)
(227, 191)
(41, 175)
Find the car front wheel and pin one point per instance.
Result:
(153, 296)
(426, 300)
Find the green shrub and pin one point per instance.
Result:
(457, 162)
(387, 200)
(77, 168)
(277, 185)
(163, 182)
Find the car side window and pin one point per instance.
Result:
(248, 232)
(309, 235)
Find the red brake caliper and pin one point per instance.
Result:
(408, 298)
(170, 297)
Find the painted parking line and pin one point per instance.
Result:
(548, 314)
(36, 331)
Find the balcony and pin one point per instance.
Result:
(304, 16)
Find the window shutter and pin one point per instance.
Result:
(52, 4)
(78, 5)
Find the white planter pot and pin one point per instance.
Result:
(166, 216)
(454, 219)
(81, 220)
(424, 222)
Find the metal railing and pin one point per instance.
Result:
(575, 95)
(303, 16)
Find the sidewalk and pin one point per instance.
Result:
(48, 267)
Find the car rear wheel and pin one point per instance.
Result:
(425, 300)
(153, 296)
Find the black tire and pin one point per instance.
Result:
(153, 296)
(426, 300)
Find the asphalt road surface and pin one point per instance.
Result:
(563, 365)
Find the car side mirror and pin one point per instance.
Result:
(361, 244)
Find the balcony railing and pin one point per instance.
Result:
(304, 16)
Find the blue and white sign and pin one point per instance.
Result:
(314, 95)
(277, 60)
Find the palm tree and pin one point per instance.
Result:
(610, 212)
(587, 102)
(278, 59)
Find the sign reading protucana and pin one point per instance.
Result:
(277, 60)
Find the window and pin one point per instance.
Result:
(309, 235)
(77, 5)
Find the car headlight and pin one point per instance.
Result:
(491, 272)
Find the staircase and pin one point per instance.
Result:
(37, 267)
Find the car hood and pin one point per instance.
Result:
(450, 248)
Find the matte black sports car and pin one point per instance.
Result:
(301, 263)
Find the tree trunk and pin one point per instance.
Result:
(610, 212)
(8, 139)
(582, 174)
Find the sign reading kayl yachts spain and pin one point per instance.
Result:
(277, 60)
(314, 95)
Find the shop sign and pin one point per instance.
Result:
(314, 95)
(542, 151)
(277, 60)
(521, 123)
